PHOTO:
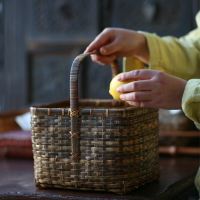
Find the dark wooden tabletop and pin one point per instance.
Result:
(176, 182)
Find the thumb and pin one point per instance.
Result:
(110, 48)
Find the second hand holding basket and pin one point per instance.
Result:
(97, 145)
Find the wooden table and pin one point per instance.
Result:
(176, 182)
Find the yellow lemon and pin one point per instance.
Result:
(114, 84)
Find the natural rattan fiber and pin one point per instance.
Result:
(97, 145)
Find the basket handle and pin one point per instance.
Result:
(74, 109)
(74, 77)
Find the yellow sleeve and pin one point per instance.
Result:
(181, 58)
(132, 63)
(191, 101)
(197, 181)
(178, 57)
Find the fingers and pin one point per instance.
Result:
(111, 48)
(140, 94)
(147, 104)
(101, 40)
(107, 42)
(142, 99)
(137, 96)
(137, 74)
(103, 60)
(104, 44)
(136, 86)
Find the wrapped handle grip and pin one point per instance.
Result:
(74, 109)
(74, 77)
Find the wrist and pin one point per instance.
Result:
(141, 50)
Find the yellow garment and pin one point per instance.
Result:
(179, 57)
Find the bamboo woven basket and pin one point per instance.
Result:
(96, 145)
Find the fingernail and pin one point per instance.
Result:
(86, 49)
(122, 97)
(103, 50)
(118, 90)
(119, 78)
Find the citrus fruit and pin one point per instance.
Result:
(114, 84)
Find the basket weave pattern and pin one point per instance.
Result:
(115, 146)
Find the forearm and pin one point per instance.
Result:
(142, 50)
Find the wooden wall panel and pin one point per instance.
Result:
(2, 96)
(15, 69)
(49, 77)
(162, 17)
(62, 21)
(36, 35)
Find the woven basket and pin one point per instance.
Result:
(97, 145)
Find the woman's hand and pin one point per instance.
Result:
(154, 89)
(113, 43)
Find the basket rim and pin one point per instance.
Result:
(60, 108)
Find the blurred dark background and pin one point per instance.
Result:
(40, 38)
